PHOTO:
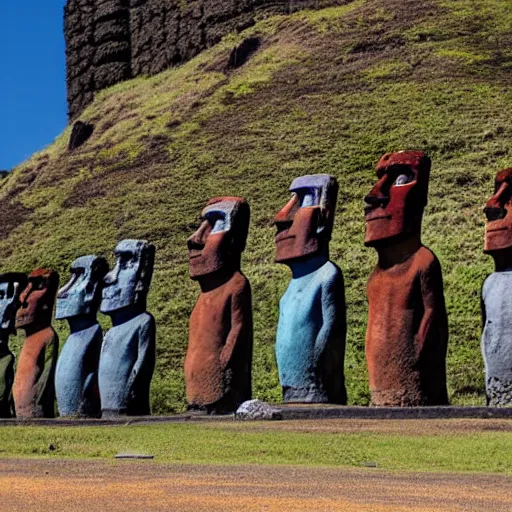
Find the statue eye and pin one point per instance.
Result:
(308, 197)
(402, 179)
(217, 222)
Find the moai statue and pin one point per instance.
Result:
(127, 358)
(310, 344)
(496, 304)
(219, 355)
(76, 377)
(34, 389)
(407, 335)
(11, 285)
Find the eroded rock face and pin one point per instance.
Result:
(108, 41)
(98, 40)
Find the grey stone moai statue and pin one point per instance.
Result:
(76, 377)
(496, 301)
(127, 359)
(11, 285)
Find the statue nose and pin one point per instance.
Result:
(197, 240)
(374, 201)
(493, 213)
(194, 243)
(111, 277)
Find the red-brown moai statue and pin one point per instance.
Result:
(219, 355)
(407, 334)
(34, 389)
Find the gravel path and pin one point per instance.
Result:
(61, 486)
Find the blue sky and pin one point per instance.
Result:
(32, 77)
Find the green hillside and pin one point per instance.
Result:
(328, 91)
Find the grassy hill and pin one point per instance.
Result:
(328, 91)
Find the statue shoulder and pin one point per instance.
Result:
(496, 280)
(240, 283)
(146, 319)
(331, 272)
(427, 261)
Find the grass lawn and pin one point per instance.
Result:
(234, 443)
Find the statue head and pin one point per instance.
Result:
(498, 229)
(38, 298)
(128, 282)
(81, 295)
(394, 206)
(304, 225)
(220, 239)
(11, 286)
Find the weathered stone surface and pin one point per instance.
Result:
(407, 334)
(76, 377)
(219, 355)
(310, 343)
(108, 41)
(127, 358)
(496, 300)
(11, 285)
(254, 410)
(33, 389)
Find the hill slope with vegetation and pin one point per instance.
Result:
(327, 91)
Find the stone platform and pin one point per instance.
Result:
(290, 412)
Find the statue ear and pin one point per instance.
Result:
(324, 222)
(320, 220)
(141, 285)
(90, 290)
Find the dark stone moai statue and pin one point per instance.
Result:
(34, 389)
(219, 355)
(11, 285)
(310, 343)
(127, 359)
(496, 304)
(407, 335)
(76, 377)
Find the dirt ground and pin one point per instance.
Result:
(121, 486)
(378, 426)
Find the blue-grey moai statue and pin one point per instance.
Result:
(127, 359)
(11, 285)
(496, 298)
(76, 377)
(310, 346)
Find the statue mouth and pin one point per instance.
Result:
(378, 217)
(192, 255)
(491, 230)
(111, 295)
(283, 235)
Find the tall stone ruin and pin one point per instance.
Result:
(109, 41)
